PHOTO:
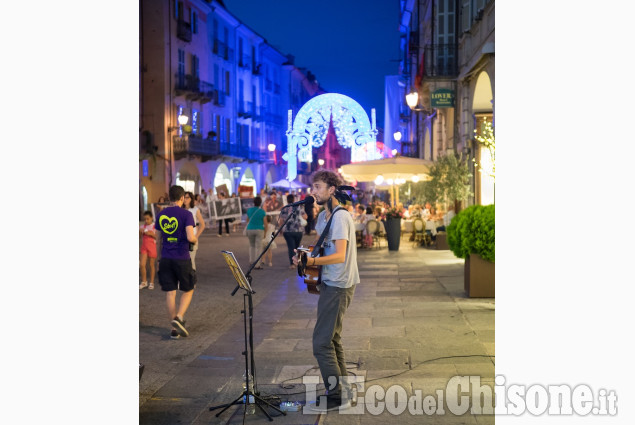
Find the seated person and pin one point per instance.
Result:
(447, 218)
(426, 211)
(360, 214)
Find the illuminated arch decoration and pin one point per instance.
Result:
(352, 128)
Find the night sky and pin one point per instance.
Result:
(349, 45)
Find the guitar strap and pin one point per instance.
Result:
(320, 241)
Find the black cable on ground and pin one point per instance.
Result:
(281, 384)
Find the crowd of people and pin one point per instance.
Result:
(182, 217)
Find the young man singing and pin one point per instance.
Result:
(339, 277)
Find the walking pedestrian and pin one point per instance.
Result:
(269, 229)
(175, 267)
(148, 250)
(255, 229)
(199, 224)
(339, 277)
(293, 230)
(221, 195)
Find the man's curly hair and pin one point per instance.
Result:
(328, 177)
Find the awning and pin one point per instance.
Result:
(390, 168)
(289, 185)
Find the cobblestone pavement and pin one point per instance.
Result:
(410, 324)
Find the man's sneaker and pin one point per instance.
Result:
(143, 285)
(179, 325)
(174, 334)
(151, 285)
(332, 403)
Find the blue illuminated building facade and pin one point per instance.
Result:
(199, 61)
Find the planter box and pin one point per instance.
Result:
(442, 240)
(479, 277)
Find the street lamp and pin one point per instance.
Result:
(183, 119)
(397, 136)
(412, 99)
(321, 162)
(271, 147)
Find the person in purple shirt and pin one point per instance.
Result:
(176, 226)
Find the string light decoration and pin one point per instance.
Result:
(487, 139)
(352, 128)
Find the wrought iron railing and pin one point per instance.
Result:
(410, 149)
(440, 60)
(184, 30)
(244, 62)
(193, 88)
(195, 145)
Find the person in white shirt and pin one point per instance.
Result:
(447, 218)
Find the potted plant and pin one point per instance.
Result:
(449, 181)
(471, 236)
(392, 223)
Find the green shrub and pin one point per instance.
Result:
(472, 232)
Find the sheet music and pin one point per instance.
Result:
(238, 273)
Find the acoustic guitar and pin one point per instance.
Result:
(312, 274)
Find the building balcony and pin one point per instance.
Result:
(245, 109)
(268, 84)
(195, 145)
(193, 88)
(234, 149)
(410, 149)
(255, 68)
(244, 62)
(440, 61)
(184, 31)
(262, 155)
(219, 98)
(276, 88)
(222, 49)
(259, 113)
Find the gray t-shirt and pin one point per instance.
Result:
(342, 275)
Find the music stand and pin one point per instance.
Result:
(247, 394)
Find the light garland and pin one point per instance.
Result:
(487, 139)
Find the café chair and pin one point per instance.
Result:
(373, 228)
(419, 228)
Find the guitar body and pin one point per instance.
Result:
(312, 274)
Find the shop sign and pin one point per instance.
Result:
(442, 98)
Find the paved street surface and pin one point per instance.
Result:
(409, 324)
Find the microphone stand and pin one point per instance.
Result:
(250, 350)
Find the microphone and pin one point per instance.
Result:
(309, 200)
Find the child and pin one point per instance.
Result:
(148, 249)
(269, 229)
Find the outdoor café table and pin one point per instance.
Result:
(407, 226)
